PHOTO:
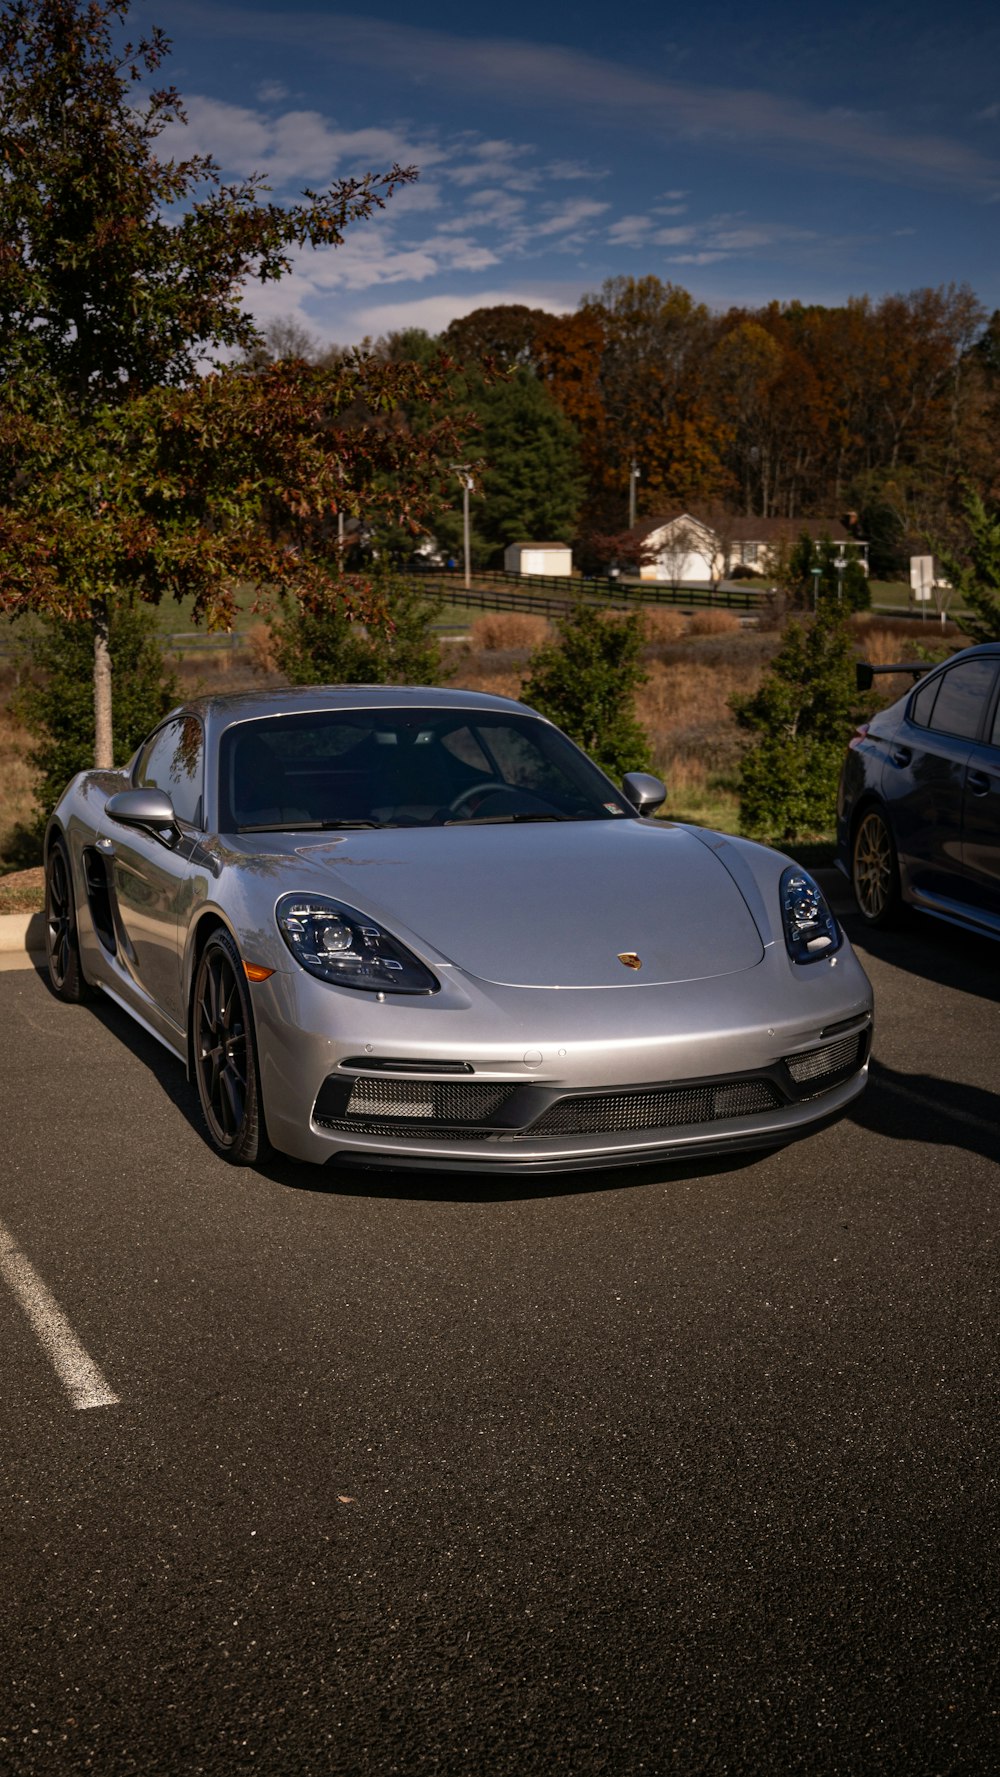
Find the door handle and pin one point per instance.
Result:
(978, 783)
(900, 755)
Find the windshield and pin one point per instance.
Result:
(414, 768)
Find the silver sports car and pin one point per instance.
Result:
(420, 928)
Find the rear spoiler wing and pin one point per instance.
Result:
(864, 673)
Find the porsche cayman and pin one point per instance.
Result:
(420, 928)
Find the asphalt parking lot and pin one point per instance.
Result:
(671, 1470)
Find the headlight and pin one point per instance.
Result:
(341, 945)
(811, 931)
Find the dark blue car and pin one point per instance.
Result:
(918, 810)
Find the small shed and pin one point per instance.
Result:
(538, 558)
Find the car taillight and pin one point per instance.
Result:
(859, 734)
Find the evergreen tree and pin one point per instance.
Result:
(57, 705)
(586, 683)
(800, 718)
(811, 576)
(531, 485)
(316, 642)
(976, 574)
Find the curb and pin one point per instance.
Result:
(22, 940)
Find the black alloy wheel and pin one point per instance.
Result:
(225, 1054)
(874, 870)
(61, 941)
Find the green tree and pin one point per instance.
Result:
(126, 471)
(318, 643)
(531, 483)
(57, 706)
(810, 574)
(975, 573)
(800, 720)
(586, 681)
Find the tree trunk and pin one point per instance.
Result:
(104, 752)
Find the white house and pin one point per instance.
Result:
(702, 548)
(538, 558)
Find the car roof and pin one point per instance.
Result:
(219, 712)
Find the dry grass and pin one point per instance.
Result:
(498, 631)
(22, 891)
(660, 625)
(713, 623)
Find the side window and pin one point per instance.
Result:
(923, 703)
(958, 707)
(172, 761)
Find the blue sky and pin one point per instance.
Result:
(776, 152)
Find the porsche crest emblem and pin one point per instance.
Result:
(629, 958)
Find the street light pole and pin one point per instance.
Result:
(633, 476)
(464, 473)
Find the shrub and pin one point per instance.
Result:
(323, 644)
(586, 682)
(57, 704)
(801, 717)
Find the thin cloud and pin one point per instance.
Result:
(533, 74)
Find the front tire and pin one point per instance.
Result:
(875, 870)
(62, 943)
(224, 1051)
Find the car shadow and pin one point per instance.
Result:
(933, 951)
(923, 1107)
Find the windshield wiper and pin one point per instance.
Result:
(307, 826)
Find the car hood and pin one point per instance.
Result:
(554, 905)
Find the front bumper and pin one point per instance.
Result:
(499, 1080)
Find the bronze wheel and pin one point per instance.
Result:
(874, 871)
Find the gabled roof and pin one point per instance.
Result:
(741, 527)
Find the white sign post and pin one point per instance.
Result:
(922, 579)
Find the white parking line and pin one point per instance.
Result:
(78, 1374)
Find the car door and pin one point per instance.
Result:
(924, 778)
(150, 871)
(981, 820)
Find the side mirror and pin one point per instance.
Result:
(645, 792)
(144, 808)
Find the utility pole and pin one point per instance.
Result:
(633, 476)
(464, 473)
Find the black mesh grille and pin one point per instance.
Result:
(400, 1128)
(424, 1101)
(620, 1112)
(818, 1063)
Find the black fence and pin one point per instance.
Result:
(550, 595)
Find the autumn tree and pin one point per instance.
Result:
(656, 340)
(141, 454)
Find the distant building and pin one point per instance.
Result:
(702, 548)
(538, 558)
